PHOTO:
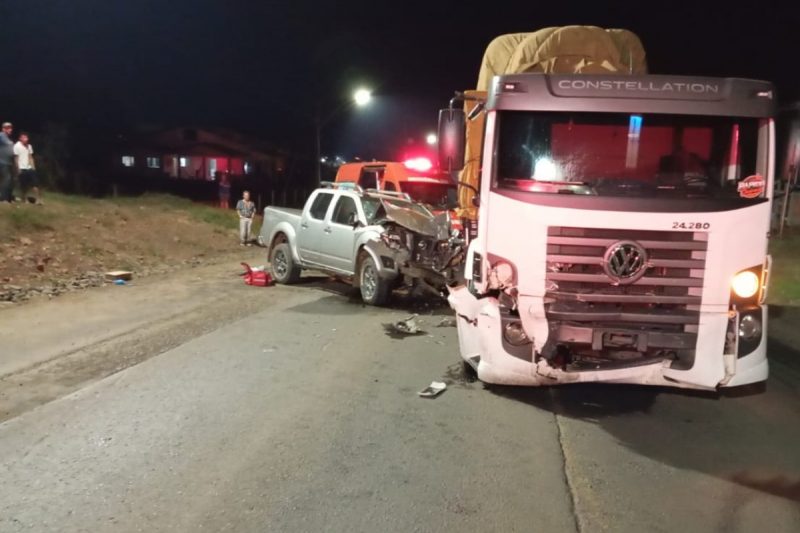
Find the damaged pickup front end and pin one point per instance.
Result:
(417, 248)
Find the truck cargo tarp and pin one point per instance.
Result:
(567, 50)
(557, 50)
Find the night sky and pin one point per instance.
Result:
(262, 67)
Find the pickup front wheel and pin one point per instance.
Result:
(282, 265)
(374, 289)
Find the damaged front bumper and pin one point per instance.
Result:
(482, 323)
(419, 259)
(387, 260)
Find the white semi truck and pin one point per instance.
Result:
(622, 228)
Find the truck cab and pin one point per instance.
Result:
(623, 225)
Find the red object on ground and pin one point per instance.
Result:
(257, 278)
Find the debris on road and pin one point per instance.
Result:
(433, 390)
(114, 275)
(447, 322)
(404, 328)
(119, 282)
(409, 325)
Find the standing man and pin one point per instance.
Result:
(247, 211)
(28, 180)
(6, 164)
(224, 190)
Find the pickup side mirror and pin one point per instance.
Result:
(452, 139)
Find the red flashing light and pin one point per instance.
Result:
(420, 164)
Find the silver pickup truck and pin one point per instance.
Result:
(377, 240)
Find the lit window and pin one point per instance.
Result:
(184, 162)
(153, 162)
(128, 160)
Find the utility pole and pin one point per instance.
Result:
(318, 129)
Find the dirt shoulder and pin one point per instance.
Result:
(68, 244)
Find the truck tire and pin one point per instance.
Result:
(374, 289)
(282, 265)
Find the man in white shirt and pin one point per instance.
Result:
(28, 180)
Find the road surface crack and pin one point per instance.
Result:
(571, 492)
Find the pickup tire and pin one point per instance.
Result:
(374, 289)
(282, 265)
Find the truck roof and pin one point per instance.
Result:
(687, 95)
(351, 171)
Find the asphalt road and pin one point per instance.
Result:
(304, 416)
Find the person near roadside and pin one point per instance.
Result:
(26, 169)
(247, 210)
(6, 164)
(224, 184)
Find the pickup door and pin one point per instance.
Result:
(338, 245)
(313, 227)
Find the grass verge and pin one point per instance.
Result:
(784, 284)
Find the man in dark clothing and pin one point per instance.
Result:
(6, 164)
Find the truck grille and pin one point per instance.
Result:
(659, 311)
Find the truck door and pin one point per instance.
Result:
(312, 227)
(337, 250)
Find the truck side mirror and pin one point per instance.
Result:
(452, 139)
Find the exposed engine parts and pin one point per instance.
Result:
(415, 250)
(424, 260)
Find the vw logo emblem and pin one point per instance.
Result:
(625, 262)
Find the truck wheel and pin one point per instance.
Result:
(374, 289)
(282, 265)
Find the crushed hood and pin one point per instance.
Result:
(419, 220)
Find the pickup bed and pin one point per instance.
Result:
(369, 238)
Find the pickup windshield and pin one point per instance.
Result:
(616, 154)
(375, 208)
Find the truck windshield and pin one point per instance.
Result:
(615, 154)
(438, 195)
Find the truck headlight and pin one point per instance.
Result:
(745, 284)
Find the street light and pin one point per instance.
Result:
(361, 98)
(431, 139)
